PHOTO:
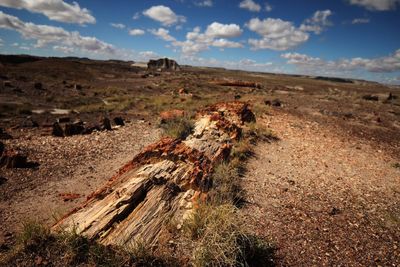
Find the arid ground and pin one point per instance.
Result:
(325, 193)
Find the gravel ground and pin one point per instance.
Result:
(77, 165)
(324, 198)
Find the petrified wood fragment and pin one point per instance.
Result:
(164, 181)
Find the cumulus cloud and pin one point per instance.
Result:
(204, 3)
(45, 35)
(282, 35)
(224, 43)
(147, 55)
(376, 5)
(389, 63)
(250, 5)
(63, 49)
(243, 64)
(118, 25)
(215, 35)
(162, 34)
(318, 22)
(136, 32)
(164, 14)
(360, 21)
(276, 34)
(219, 30)
(57, 10)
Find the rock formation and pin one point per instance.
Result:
(163, 64)
(165, 181)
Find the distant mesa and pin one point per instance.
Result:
(163, 64)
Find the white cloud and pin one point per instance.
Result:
(44, 35)
(276, 34)
(57, 10)
(243, 64)
(360, 21)
(136, 16)
(204, 3)
(268, 7)
(219, 30)
(136, 32)
(146, 55)
(282, 35)
(63, 49)
(376, 5)
(317, 22)
(389, 63)
(163, 34)
(118, 25)
(223, 43)
(164, 14)
(216, 36)
(250, 5)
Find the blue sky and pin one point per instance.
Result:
(346, 38)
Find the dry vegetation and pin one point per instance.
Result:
(216, 234)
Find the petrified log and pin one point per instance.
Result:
(237, 83)
(164, 181)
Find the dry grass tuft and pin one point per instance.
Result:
(178, 128)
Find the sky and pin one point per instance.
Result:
(342, 38)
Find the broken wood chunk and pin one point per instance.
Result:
(166, 180)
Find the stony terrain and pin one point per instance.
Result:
(71, 165)
(323, 196)
(326, 193)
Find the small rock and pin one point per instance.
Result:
(14, 159)
(38, 86)
(370, 97)
(106, 124)
(3, 180)
(171, 114)
(183, 91)
(334, 211)
(74, 128)
(4, 135)
(119, 121)
(391, 97)
(69, 196)
(238, 97)
(276, 103)
(64, 119)
(77, 87)
(29, 123)
(2, 147)
(57, 130)
(7, 84)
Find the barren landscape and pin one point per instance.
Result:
(325, 190)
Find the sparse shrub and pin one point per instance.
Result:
(226, 184)
(221, 241)
(178, 127)
(33, 235)
(36, 242)
(257, 132)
